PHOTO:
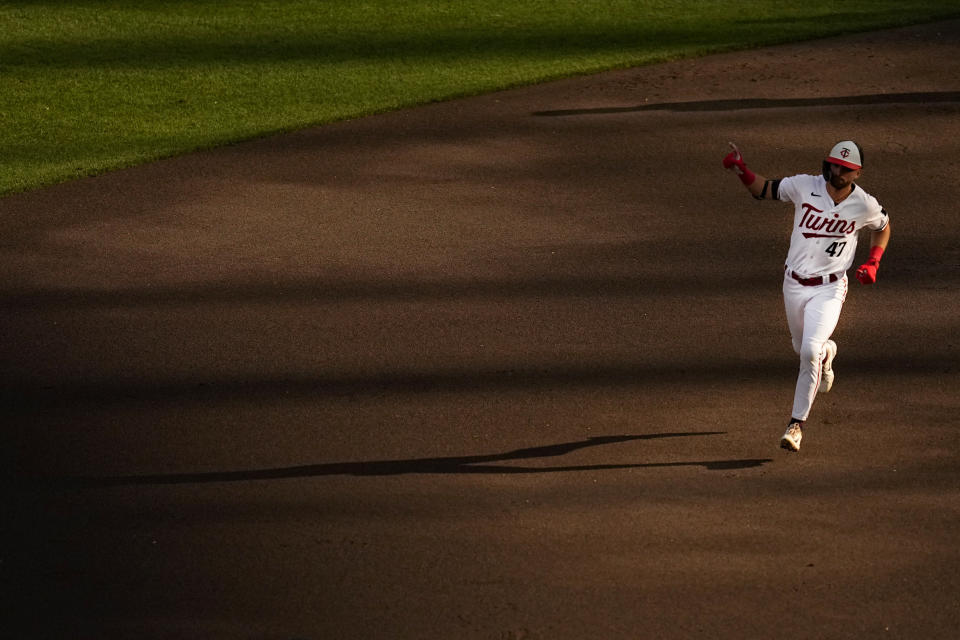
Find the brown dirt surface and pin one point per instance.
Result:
(507, 367)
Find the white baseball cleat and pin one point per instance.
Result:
(826, 367)
(791, 438)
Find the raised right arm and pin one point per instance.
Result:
(756, 184)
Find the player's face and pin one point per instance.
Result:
(841, 177)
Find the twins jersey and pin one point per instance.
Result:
(825, 234)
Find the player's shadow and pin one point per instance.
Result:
(447, 465)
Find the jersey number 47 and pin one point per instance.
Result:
(836, 249)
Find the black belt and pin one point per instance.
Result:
(815, 280)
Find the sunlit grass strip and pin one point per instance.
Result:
(90, 86)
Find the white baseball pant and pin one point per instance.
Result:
(812, 315)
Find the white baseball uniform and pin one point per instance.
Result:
(822, 249)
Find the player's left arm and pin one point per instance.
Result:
(867, 273)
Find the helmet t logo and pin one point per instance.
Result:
(845, 152)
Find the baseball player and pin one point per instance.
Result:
(829, 212)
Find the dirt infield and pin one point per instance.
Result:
(508, 367)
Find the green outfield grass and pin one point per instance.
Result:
(88, 86)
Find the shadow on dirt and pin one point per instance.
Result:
(923, 98)
(478, 464)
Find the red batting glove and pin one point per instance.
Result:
(867, 273)
(734, 161)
